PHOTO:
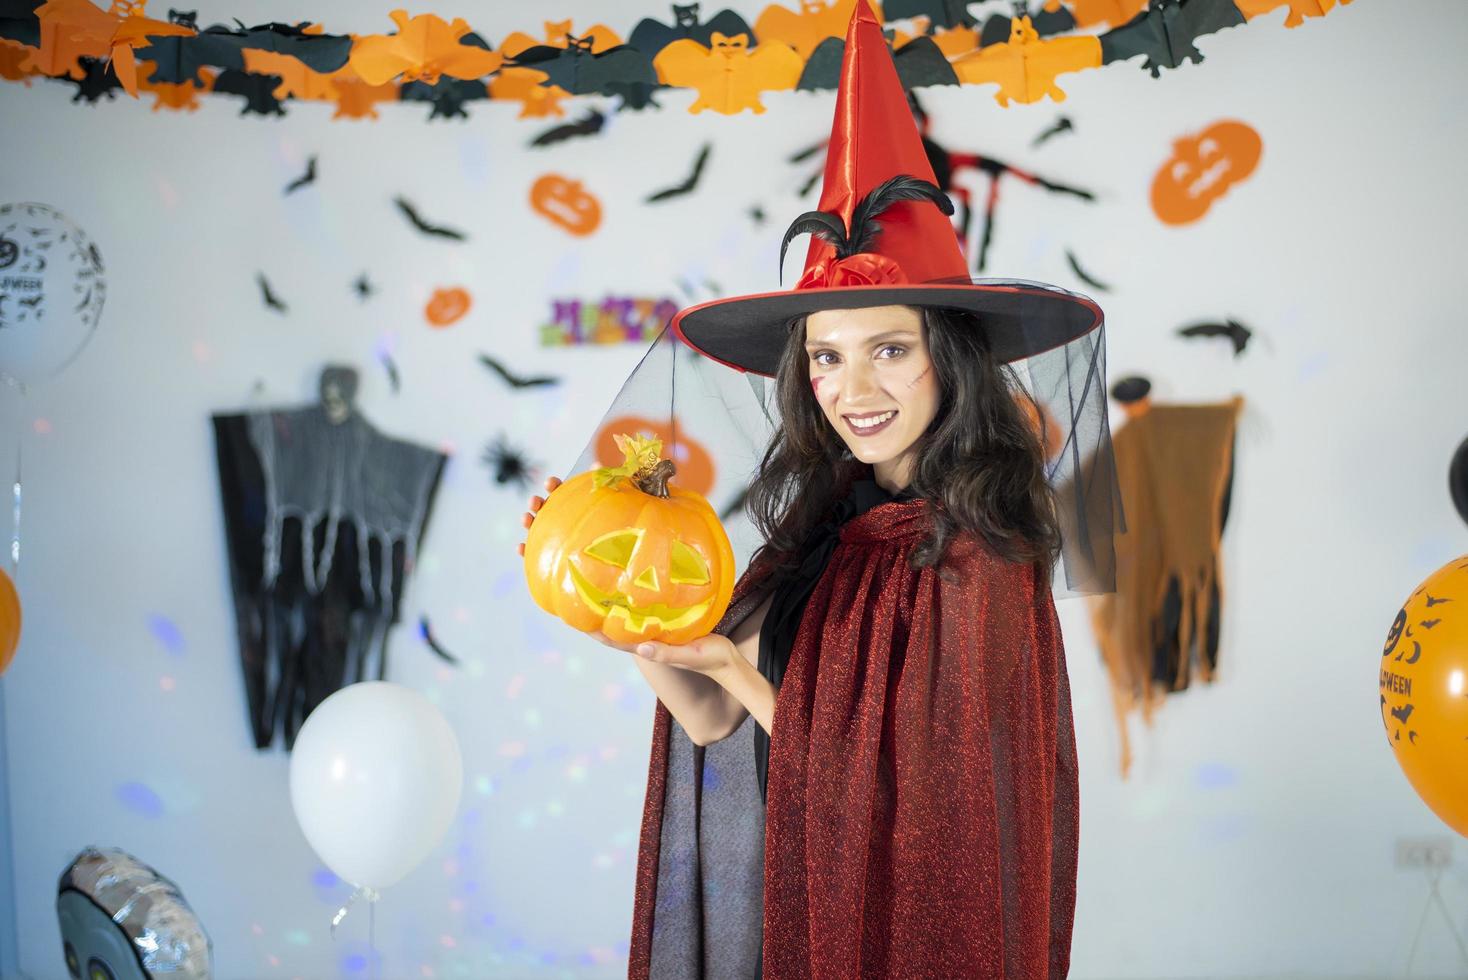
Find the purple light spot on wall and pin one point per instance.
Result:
(166, 633)
(1216, 775)
(355, 963)
(507, 583)
(140, 799)
(324, 878)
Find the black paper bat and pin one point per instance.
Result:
(18, 22)
(515, 380)
(426, 631)
(920, 63)
(622, 71)
(1236, 332)
(323, 53)
(1062, 125)
(363, 286)
(447, 95)
(391, 367)
(1081, 275)
(941, 13)
(688, 185)
(997, 27)
(258, 90)
(96, 81)
(271, 300)
(423, 226)
(588, 125)
(1166, 30)
(309, 177)
(178, 59)
(651, 36)
(184, 18)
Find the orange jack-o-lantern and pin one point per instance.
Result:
(695, 465)
(447, 306)
(623, 551)
(566, 203)
(1202, 168)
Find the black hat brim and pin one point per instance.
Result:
(1021, 318)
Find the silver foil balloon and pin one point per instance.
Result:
(121, 920)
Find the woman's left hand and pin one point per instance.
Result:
(711, 655)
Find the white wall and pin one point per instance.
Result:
(1256, 835)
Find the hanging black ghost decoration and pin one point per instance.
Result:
(323, 517)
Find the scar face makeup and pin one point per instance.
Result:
(871, 374)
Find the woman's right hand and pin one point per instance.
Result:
(551, 482)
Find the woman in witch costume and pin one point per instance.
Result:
(869, 768)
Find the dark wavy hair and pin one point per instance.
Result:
(980, 464)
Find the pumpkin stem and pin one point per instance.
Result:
(655, 480)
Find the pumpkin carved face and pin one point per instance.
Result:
(566, 203)
(1202, 169)
(623, 551)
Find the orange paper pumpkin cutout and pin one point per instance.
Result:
(1202, 169)
(729, 75)
(1424, 691)
(1025, 66)
(9, 621)
(695, 465)
(566, 203)
(806, 29)
(1299, 9)
(628, 552)
(424, 48)
(447, 306)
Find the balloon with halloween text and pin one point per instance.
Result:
(51, 292)
(1424, 691)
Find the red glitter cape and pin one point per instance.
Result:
(923, 811)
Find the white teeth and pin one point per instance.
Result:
(868, 423)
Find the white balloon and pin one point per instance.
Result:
(375, 779)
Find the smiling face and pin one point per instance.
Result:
(871, 375)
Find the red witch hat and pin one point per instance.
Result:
(876, 166)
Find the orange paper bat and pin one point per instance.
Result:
(730, 75)
(177, 96)
(297, 80)
(557, 34)
(355, 99)
(816, 21)
(14, 57)
(424, 48)
(1112, 13)
(1299, 9)
(134, 30)
(1025, 67)
(69, 30)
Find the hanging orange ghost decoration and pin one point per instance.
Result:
(423, 48)
(695, 465)
(1424, 691)
(1025, 66)
(729, 75)
(566, 203)
(624, 552)
(1202, 168)
(447, 306)
(805, 30)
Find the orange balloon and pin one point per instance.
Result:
(1424, 692)
(9, 621)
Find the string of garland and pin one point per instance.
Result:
(727, 60)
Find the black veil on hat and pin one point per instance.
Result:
(881, 236)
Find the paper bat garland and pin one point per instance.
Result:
(729, 74)
(1166, 30)
(651, 36)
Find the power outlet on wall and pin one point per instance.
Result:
(1424, 852)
